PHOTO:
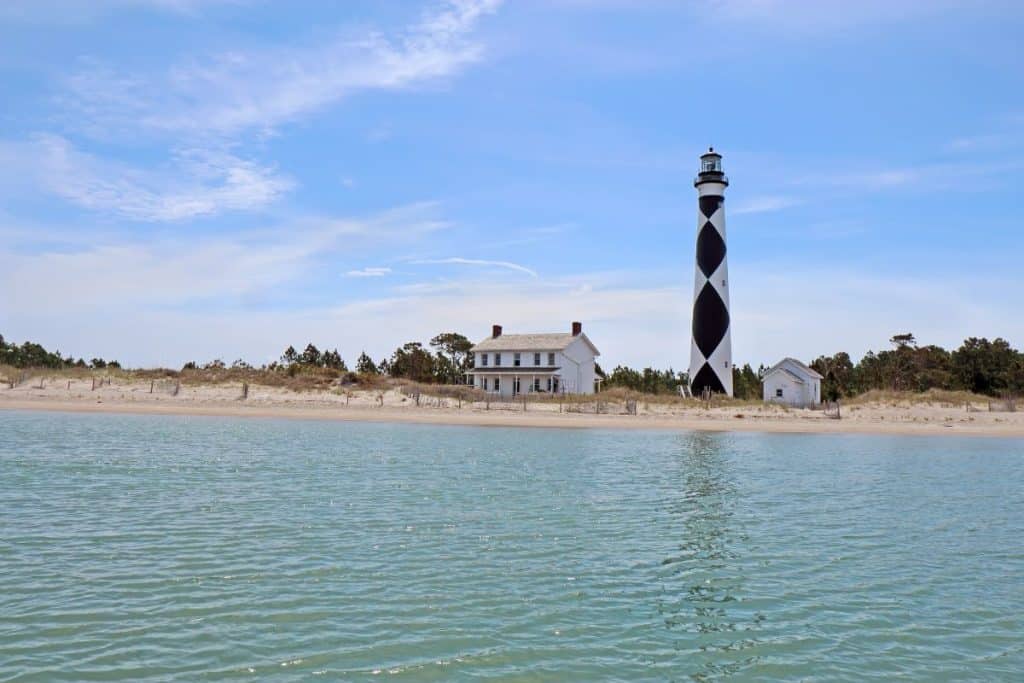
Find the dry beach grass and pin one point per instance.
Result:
(230, 393)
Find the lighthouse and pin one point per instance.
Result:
(711, 343)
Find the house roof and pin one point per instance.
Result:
(794, 364)
(555, 341)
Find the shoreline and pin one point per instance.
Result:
(786, 424)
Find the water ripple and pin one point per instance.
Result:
(167, 548)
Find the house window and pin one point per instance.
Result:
(483, 360)
(778, 393)
(516, 387)
(536, 359)
(515, 360)
(497, 359)
(497, 384)
(536, 384)
(485, 383)
(551, 359)
(549, 385)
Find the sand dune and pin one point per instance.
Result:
(126, 396)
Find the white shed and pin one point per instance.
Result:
(791, 382)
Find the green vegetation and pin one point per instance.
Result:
(647, 381)
(32, 355)
(978, 366)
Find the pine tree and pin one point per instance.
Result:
(365, 365)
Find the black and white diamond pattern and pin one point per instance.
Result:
(711, 347)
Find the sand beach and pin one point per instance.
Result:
(917, 414)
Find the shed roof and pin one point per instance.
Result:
(793, 376)
(794, 364)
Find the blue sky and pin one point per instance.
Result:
(189, 179)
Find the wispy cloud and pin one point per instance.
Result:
(925, 177)
(175, 271)
(76, 11)
(369, 271)
(765, 204)
(256, 91)
(196, 183)
(970, 143)
(455, 260)
(632, 321)
(544, 233)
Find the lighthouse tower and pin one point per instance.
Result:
(711, 344)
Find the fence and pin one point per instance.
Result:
(1004, 405)
(436, 396)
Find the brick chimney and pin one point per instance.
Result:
(495, 331)
(577, 329)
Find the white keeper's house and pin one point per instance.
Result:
(792, 383)
(555, 363)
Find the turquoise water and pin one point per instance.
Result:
(170, 548)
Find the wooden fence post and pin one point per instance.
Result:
(93, 384)
(245, 390)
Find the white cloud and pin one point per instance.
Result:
(197, 183)
(255, 91)
(369, 271)
(131, 302)
(765, 204)
(926, 177)
(58, 278)
(806, 313)
(455, 260)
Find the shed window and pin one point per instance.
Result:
(778, 393)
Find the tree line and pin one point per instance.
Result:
(746, 382)
(32, 355)
(445, 361)
(980, 366)
(993, 368)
